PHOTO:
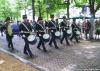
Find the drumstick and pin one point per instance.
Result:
(30, 32)
(24, 32)
(40, 31)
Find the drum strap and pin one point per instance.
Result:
(53, 23)
(25, 27)
(41, 26)
(65, 24)
(31, 24)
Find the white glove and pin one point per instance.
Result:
(23, 35)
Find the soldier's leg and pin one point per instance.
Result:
(62, 39)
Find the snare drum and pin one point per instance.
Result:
(46, 37)
(78, 32)
(69, 31)
(57, 34)
(32, 39)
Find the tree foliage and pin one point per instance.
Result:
(5, 10)
(51, 5)
(93, 4)
(42, 6)
(10, 9)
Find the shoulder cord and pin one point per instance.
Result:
(25, 26)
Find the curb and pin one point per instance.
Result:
(25, 61)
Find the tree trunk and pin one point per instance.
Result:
(39, 8)
(92, 11)
(92, 28)
(33, 9)
(68, 3)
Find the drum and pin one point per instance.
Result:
(78, 32)
(46, 37)
(57, 34)
(15, 28)
(32, 39)
(69, 32)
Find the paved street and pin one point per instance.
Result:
(84, 56)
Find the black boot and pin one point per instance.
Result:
(44, 50)
(56, 47)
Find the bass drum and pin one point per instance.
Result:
(57, 35)
(15, 28)
(46, 37)
(32, 39)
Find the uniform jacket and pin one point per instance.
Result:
(40, 28)
(24, 29)
(52, 26)
(64, 26)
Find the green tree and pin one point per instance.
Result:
(94, 5)
(41, 8)
(5, 10)
(8, 9)
(20, 5)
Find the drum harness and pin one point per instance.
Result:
(76, 30)
(66, 27)
(42, 28)
(32, 32)
(45, 32)
(57, 33)
(27, 30)
(33, 36)
(53, 25)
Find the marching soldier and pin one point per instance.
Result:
(40, 28)
(52, 26)
(9, 35)
(26, 27)
(74, 29)
(64, 26)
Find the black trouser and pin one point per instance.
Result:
(9, 40)
(74, 36)
(2, 29)
(26, 47)
(65, 36)
(53, 39)
(41, 42)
